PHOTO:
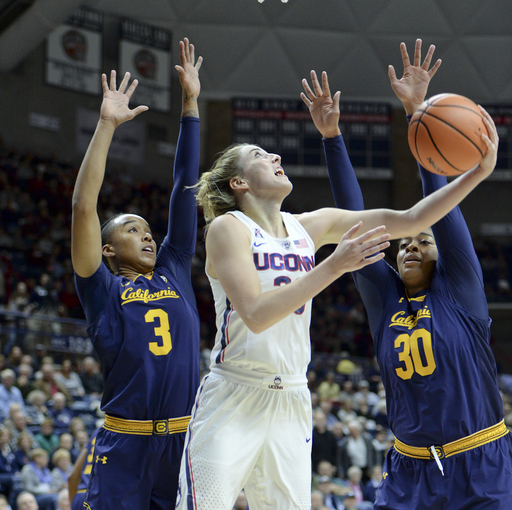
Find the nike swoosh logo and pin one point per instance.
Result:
(308, 439)
(258, 244)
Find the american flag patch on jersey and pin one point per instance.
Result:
(300, 243)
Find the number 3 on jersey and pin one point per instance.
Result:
(162, 330)
(284, 280)
(411, 356)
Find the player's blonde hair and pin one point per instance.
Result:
(214, 193)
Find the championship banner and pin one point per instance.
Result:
(127, 144)
(145, 52)
(73, 53)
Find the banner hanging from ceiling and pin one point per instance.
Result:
(73, 53)
(145, 52)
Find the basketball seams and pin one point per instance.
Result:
(425, 126)
(445, 134)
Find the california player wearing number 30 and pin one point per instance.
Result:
(141, 312)
(431, 330)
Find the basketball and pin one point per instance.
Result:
(445, 134)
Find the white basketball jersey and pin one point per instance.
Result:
(285, 347)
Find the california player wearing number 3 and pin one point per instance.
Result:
(141, 312)
(431, 330)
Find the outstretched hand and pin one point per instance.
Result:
(353, 254)
(411, 89)
(114, 107)
(324, 110)
(189, 70)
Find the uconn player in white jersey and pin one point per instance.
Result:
(251, 424)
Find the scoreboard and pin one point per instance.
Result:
(285, 127)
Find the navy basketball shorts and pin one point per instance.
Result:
(134, 472)
(78, 501)
(480, 478)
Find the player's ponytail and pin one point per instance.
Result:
(214, 193)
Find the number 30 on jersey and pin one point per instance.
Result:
(413, 359)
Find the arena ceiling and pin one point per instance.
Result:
(265, 49)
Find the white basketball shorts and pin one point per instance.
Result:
(248, 431)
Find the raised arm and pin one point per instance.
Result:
(183, 209)
(228, 245)
(327, 226)
(457, 258)
(325, 113)
(85, 224)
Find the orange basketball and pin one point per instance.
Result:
(445, 134)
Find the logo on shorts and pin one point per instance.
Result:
(103, 459)
(277, 384)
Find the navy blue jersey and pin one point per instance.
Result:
(433, 348)
(146, 332)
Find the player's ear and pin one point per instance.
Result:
(237, 183)
(108, 251)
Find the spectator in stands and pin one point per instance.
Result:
(63, 500)
(59, 412)
(36, 479)
(25, 382)
(370, 487)
(8, 465)
(27, 359)
(36, 409)
(80, 439)
(325, 468)
(40, 353)
(9, 421)
(346, 412)
(350, 503)
(25, 445)
(347, 388)
(61, 460)
(26, 501)
(18, 427)
(381, 444)
(92, 380)
(47, 382)
(19, 301)
(44, 297)
(317, 500)
(380, 415)
(355, 476)
(330, 418)
(331, 500)
(4, 505)
(329, 389)
(66, 442)
(324, 443)
(70, 380)
(46, 438)
(14, 358)
(356, 449)
(364, 395)
(9, 394)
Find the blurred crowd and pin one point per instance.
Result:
(48, 409)
(49, 402)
